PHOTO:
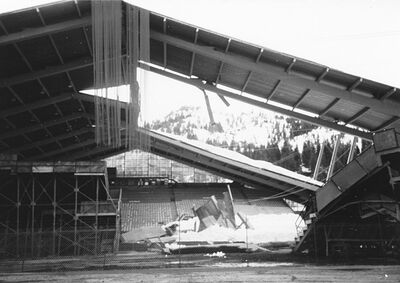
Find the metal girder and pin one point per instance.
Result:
(273, 91)
(385, 106)
(42, 31)
(333, 158)
(306, 118)
(193, 54)
(388, 93)
(48, 140)
(93, 151)
(352, 150)
(324, 73)
(164, 44)
(49, 71)
(222, 63)
(327, 108)
(357, 116)
(355, 84)
(251, 72)
(43, 125)
(38, 104)
(298, 102)
(289, 68)
(63, 149)
(388, 123)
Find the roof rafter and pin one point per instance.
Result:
(47, 72)
(193, 54)
(42, 31)
(273, 91)
(63, 149)
(388, 93)
(43, 125)
(329, 107)
(357, 116)
(298, 102)
(310, 119)
(355, 84)
(251, 72)
(386, 124)
(48, 140)
(322, 75)
(386, 107)
(222, 63)
(37, 104)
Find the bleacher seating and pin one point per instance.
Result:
(151, 206)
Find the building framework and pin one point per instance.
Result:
(53, 209)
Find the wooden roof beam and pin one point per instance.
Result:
(321, 76)
(388, 123)
(386, 107)
(329, 107)
(357, 116)
(43, 125)
(49, 71)
(298, 102)
(51, 153)
(388, 94)
(289, 68)
(300, 116)
(355, 84)
(49, 140)
(42, 31)
(251, 72)
(35, 105)
(273, 91)
(222, 63)
(193, 54)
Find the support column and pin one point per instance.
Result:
(352, 149)
(318, 164)
(18, 204)
(33, 204)
(54, 213)
(326, 242)
(76, 190)
(333, 158)
(97, 214)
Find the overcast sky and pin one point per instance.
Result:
(360, 37)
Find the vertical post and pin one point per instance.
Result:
(326, 242)
(76, 189)
(97, 213)
(318, 164)
(333, 158)
(118, 224)
(352, 149)
(179, 238)
(33, 215)
(54, 213)
(18, 207)
(315, 242)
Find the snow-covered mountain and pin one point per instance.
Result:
(258, 134)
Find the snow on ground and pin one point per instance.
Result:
(266, 228)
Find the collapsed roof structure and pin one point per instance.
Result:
(46, 60)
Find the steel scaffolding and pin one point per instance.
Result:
(56, 209)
